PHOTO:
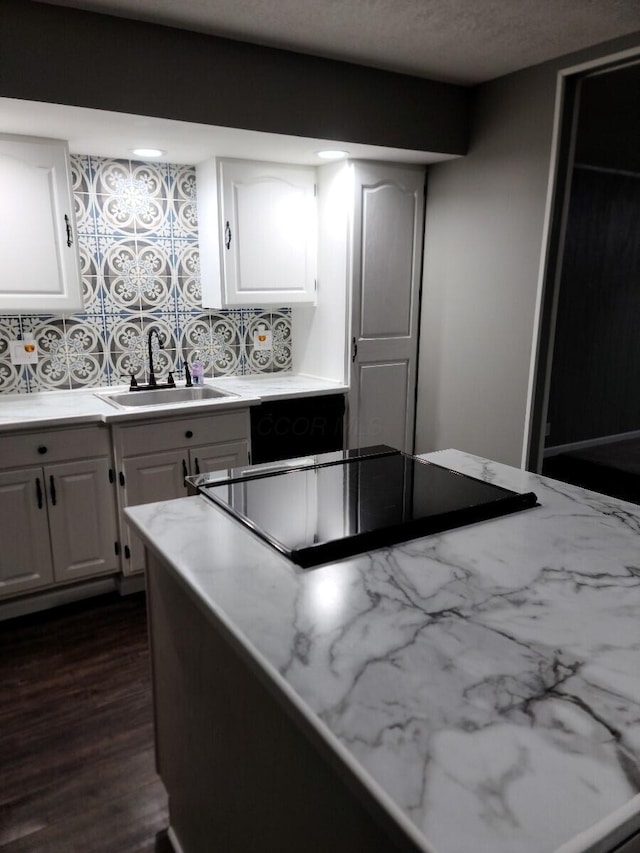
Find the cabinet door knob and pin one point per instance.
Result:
(42, 449)
(188, 434)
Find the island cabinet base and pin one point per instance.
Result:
(243, 771)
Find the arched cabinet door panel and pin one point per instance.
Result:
(388, 213)
(39, 262)
(258, 233)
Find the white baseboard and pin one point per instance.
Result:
(128, 584)
(55, 597)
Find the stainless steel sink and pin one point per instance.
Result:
(163, 396)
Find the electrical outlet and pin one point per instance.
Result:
(262, 338)
(23, 352)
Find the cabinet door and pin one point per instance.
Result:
(387, 253)
(215, 457)
(156, 477)
(269, 239)
(39, 263)
(25, 553)
(82, 519)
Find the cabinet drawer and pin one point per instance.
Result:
(44, 447)
(186, 432)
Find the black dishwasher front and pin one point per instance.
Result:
(282, 429)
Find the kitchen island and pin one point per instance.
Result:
(474, 691)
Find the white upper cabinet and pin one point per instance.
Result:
(39, 262)
(258, 233)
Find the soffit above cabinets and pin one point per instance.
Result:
(110, 134)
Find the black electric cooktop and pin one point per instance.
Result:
(323, 508)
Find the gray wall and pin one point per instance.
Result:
(483, 248)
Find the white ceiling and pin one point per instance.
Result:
(460, 41)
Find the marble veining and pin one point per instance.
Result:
(486, 680)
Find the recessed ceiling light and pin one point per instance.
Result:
(332, 154)
(147, 152)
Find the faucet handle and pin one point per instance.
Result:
(170, 380)
(134, 382)
(187, 375)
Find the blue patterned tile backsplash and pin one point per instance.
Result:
(139, 256)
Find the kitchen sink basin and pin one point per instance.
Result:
(163, 396)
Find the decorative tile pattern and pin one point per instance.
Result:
(12, 376)
(140, 266)
(279, 356)
(216, 341)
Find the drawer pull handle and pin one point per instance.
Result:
(52, 489)
(42, 449)
(39, 492)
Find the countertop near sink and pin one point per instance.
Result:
(60, 408)
(483, 683)
(279, 386)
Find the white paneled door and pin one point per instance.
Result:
(388, 219)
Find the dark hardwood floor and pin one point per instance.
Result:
(76, 733)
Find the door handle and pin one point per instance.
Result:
(227, 235)
(197, 465)
(39, 492)
(52, 490)
(184, 471)
(354, 349)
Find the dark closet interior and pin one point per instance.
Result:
(593, 421)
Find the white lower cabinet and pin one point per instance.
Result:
(25, 554)
(154, 457)
(82, 518)
(59, 518)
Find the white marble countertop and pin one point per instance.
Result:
(60, 408)
(484, 683)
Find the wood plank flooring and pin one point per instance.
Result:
(76, 732)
